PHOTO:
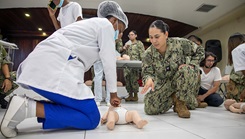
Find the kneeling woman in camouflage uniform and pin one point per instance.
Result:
(170, 67)
(236, 86)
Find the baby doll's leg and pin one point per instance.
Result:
(112, 119)
(133, 116)
(235, 108)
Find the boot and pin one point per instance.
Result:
(180, 108)
(202, 104)
(135, 98)
(130, 97)
(173, 96)
(3, 102)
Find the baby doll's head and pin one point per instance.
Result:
(229, 102)
(126, 57)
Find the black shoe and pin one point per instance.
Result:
(3, 103)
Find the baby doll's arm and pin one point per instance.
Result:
(105, 116)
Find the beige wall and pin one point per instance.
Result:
(221, 29)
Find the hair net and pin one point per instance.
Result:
(107, 8)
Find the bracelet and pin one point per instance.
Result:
(9, 79)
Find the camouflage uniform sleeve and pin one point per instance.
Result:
(141, 49)
(4, 55)
(119, 46)
(198, 55)
(194, 53)
(147, 68)
(237, 77)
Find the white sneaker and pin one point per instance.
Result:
(97, 103)
(17, 108)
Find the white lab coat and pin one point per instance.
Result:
(47, 67)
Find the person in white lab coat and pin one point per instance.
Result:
(55, 69)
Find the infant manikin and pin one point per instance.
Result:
(120, 115)
(233, 106)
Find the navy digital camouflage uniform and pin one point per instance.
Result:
(119, 46)
(131, 76)
(168, 79)
(236, 85)
(4, 60)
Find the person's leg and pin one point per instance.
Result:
(107, 97)
(80, 114)
(19, 109)
(201, 104)
(234, 90)
(185, 81)
(159, 101)
(92, 73)
(127, 78)
(214, 100)
(98, 72)
(135, 84)
(64, 112)
(202, 91)
(3, 102)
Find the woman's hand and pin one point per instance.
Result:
(7, 85)
(126, 47)
(185, 65)
(51, 11)
(201, 98)
(149, 85)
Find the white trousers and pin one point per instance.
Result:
(98, 77)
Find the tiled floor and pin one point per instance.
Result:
(207, 123)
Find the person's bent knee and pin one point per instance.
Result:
(93, 126)
(151, 111)
(219, 102)
(216, 103)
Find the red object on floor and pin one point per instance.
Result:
(140, 82)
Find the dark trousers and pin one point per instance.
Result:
(213, 99)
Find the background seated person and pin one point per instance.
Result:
(195, 39)
(6, 78)
(210, 81)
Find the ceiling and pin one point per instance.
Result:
(181, 15)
